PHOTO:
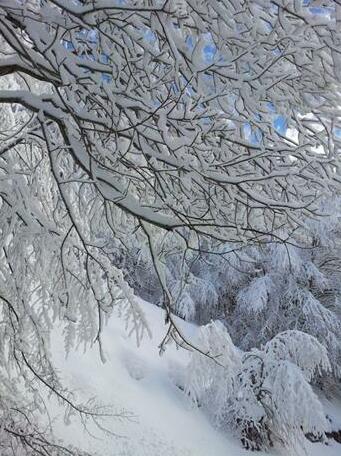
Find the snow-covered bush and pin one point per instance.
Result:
(264, 395)
(262, 290)
(292, 288)
(200, 282)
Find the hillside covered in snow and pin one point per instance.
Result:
(158, 418)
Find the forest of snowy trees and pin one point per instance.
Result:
(186, 152)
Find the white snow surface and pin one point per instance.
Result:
(162, 421)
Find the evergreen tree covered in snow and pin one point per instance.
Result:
(264, 395)
(296, 288)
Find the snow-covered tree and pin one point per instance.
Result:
(292, 287)
(147, 123)
(263, 395)
(282, 309)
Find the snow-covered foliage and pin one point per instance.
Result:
(264, 395)
(49, 272)
(152, 113)
(295, 288)
(260, 291)
(146, 129)
(196, 280)
(285, 300)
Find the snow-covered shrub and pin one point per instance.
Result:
(201, 283)
(291, 288)
(264, 395)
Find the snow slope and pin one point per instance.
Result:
(161, 421)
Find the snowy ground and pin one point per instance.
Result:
(162, 421)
